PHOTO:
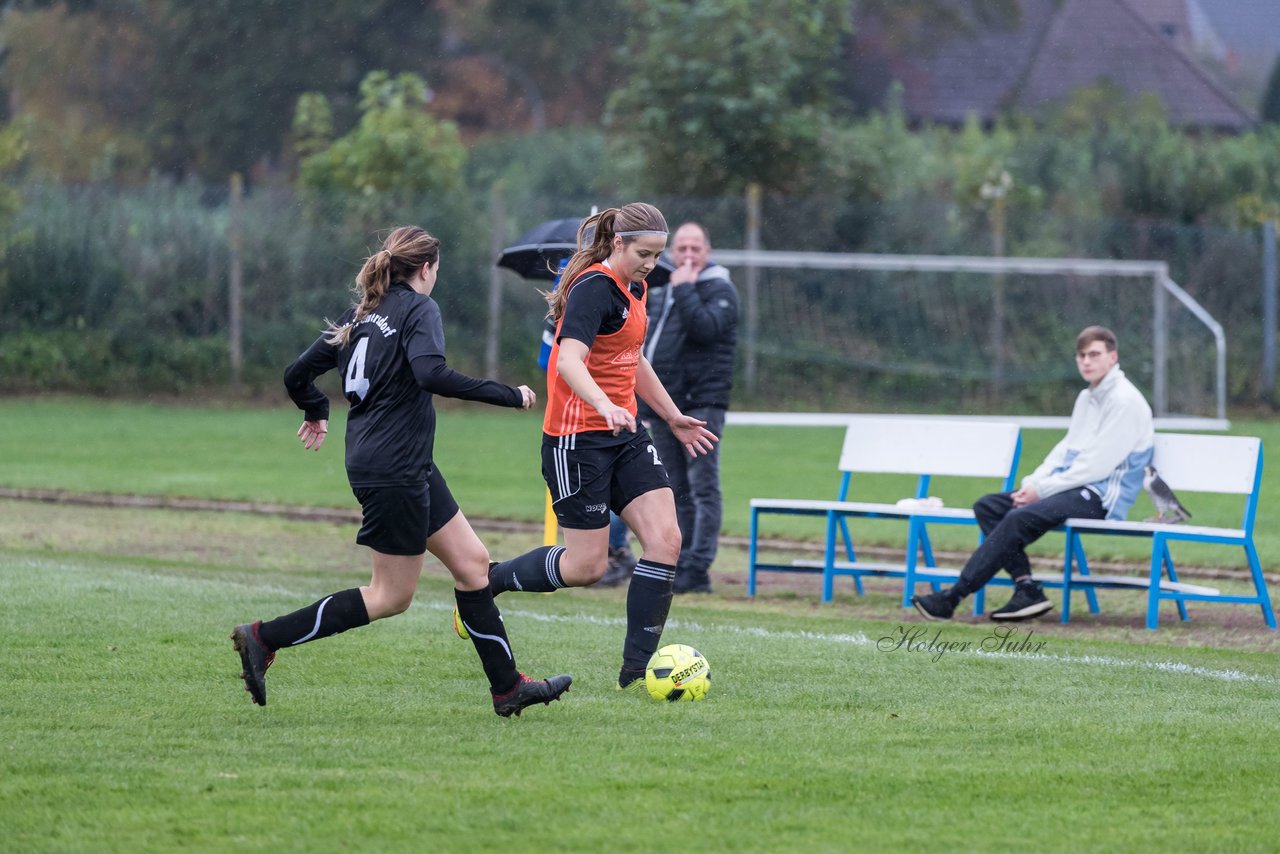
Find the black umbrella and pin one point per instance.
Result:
(543, 245)
(541, 249)
(660, 274)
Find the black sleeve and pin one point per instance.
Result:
(435, 376)
(589, 306)
(709, 311)
(423, 330)
(300, 379)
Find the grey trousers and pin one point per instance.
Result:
(696, 483)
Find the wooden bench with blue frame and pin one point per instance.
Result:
(1188, 463)
(923, 447)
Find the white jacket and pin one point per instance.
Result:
(1106, 447)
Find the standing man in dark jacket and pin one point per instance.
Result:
(691, 343)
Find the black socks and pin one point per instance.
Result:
(648, 602)
(537, 571)
(483, 622)
(329, 616)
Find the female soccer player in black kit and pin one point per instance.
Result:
(390, 349)
(595, 457)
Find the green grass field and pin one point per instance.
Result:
(126, 727)
(252, 454)
(849, 726)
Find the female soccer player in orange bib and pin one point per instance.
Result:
(595, 456)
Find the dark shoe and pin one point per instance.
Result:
(934, 606)
(528, 692)
(1028, 601)
(622, 563)
(692, 582)
(255, 658)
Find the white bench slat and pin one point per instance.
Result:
(817, 505)
(877, 567)
(1103, 526)
(1138, 582)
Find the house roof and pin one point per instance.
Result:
(1056, 47)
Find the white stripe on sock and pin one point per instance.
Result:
(475, 634)
(649, 571)
(319, 614)
(549, 563)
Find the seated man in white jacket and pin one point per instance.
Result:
(1095, 472)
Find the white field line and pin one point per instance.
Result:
(861, 640)
(855, 639)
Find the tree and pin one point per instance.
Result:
(1270, 111)
(397, 149)
(719, 95)
(201, 88)
(13, 149)
(229, 71)
(78, 81)
(527, 66)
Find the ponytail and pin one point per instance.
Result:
(627, 221)
(405, 251)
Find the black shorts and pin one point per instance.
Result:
(587, 482)
(397, 520)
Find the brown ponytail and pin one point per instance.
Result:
(636, 216)
(405, 251)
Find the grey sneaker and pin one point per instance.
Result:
(1028, 601)
(622, 563)
(528, 692)
(691, 581)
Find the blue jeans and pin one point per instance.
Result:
(696, 483)
(618, 533)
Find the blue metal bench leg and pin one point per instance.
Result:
(926, 546)
(926, 551)
(1090, 595)
(1153, 591)
(1173, 576)
(1260, 584)
(829, 560)
(909, 577)
(980, 598)
(849, 553)
(1068, 555)
(752, 552)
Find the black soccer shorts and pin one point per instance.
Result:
(398, 520)
(588, 477)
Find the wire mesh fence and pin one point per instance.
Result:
(125, 290)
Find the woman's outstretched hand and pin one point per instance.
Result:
(312, 434)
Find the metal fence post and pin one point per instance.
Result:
(1269, 229)
(1160, 346)
(497, 238)
(751, 339)
(235, 280)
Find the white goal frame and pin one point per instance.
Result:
(1156, 273)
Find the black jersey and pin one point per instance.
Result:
(596, 307)
(391, 365)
